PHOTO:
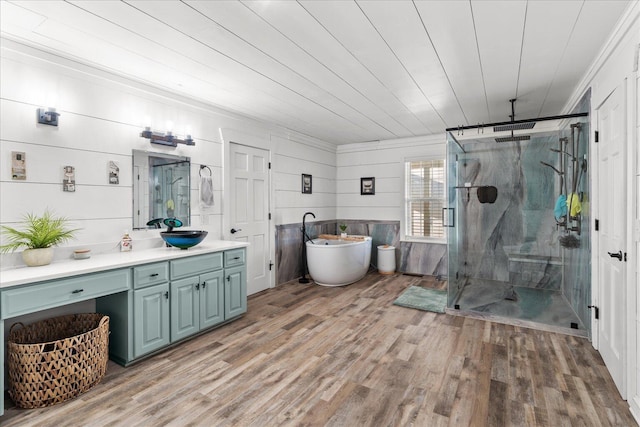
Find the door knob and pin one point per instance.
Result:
(234, 231)
(617, 255)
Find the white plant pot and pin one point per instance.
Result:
(343, 235)
(37, 257)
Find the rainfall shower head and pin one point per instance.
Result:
(515, 126)
(513, 138)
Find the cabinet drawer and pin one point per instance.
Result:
(192, 266)
(41, 296)
(150, 274)
(234, 257)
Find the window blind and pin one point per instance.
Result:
(425, 198)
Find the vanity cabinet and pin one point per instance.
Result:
(235, 285)
(151, 319)
(150, 308)
(197, 295)
(182, 297)
(235, 292)
(153, 298)
(196, 303)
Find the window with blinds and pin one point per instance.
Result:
(425, 196)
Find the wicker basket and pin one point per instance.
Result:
(54, 360)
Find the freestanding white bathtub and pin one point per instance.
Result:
(338, 262)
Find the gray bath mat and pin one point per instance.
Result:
(423, 299)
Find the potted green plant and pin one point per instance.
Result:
(41, 233)
(343, 230)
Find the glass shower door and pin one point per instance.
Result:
(451, 220)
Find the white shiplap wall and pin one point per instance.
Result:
(101, 118)
(292, 159)
(383, 160)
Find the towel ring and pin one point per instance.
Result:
(204, 167)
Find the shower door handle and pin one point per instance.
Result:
(452, 217)
(618, 255)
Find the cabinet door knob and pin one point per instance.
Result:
(197, 286)
(237, 257)
(166, 295)
(154, 275)
(228, 278)
(204, 284)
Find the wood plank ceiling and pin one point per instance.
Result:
(341, 71)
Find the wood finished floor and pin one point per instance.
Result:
(305, 355)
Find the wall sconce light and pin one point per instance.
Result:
(48, 117)
(165, 138)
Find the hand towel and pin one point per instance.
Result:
(560, 209)
(574, 205)
(206, 191)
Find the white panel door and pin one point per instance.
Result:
(611, 327)
(249, 216)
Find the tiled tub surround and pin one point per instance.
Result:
(411, 257)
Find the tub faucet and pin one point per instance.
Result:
(303, 258)
(304, 227)
(304, 217)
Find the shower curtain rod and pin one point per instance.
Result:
(512, 122)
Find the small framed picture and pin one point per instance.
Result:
(306, 184)
(367, 186)
(69, 179)
(114, 172)
(18, 166)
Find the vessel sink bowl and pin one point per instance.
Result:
(183, 239)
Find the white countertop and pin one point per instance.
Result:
(102, 262)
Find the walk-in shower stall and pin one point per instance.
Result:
(518, 226)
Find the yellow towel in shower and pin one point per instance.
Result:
(573, 204)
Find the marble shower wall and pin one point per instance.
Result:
(423, 259)
(514, 239)
(414, 258)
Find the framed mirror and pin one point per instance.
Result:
(161, 187)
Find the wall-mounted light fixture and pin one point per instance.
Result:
(165, 138)
(48, 117)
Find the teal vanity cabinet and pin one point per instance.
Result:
(173, 300)
(150, 307)
(38, 295)
(197, 294)
(235, 286)
(153, 299)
